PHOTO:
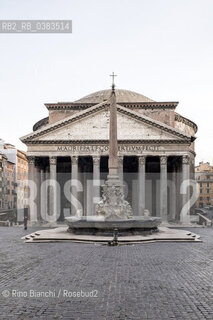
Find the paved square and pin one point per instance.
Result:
(143, 281)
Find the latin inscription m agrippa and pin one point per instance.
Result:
(95, 148)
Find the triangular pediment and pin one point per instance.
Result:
(93, 124)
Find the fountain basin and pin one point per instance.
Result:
(99, 225)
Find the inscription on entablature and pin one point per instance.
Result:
(95, 148)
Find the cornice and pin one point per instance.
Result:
(149, 105)
(40, 123)
(68, 106)
(88, 142)
(130, 105)
(186, 121)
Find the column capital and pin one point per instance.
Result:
(53, 160)
(96, 160)
(74, 159)
(142, 160)
(163, 160)
(185, 159)
(31, 159)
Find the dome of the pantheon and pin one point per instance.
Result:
(121, 96)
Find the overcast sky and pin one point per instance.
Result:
(160, 48)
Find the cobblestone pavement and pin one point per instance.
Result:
(143, 281)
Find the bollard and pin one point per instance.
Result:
(114, 242)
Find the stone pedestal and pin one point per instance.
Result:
(74, 195)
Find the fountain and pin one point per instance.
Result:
(113, 211)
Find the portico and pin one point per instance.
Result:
(151, 181)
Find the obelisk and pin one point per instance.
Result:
(113, 206)
(113, 137)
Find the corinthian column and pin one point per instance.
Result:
(163, 188)
(74, 175)
(33, 206)
(185, 212)
(37, 175)
(96, 181)
(53, 188)
(141, 184)
(173, 193)
(42, 194)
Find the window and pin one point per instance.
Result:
(208, 199)
(201, 198)
(207, 184)
(201, 184)
(201, 190)
(207, 190)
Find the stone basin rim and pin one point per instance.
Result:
(139, 223)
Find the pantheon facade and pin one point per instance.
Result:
(155, 145)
